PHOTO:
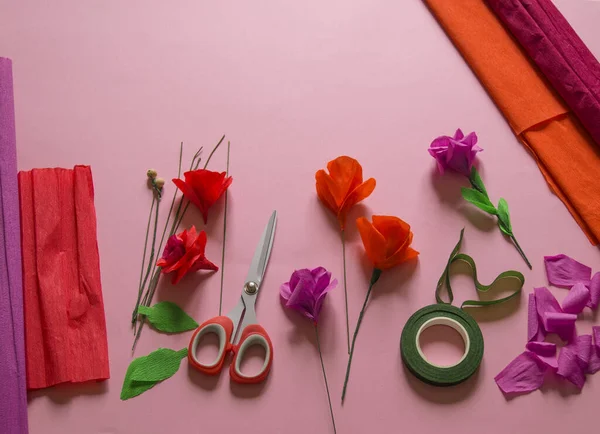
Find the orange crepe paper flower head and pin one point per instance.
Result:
(387, 241)
(343, 186)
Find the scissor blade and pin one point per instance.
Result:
(262, 253)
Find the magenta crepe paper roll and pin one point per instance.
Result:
(559, 53)
(13, 394)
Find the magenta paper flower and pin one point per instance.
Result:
(306, 291)
(174, 251)
(455, 153)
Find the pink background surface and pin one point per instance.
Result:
(118, 85)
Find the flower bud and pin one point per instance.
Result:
(151, 173)
(159, 182)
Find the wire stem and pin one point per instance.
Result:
(343, 232)
(374, 278)
(325, 377)
(518, 247)
(224, 234)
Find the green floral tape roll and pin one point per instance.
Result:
(447, 315)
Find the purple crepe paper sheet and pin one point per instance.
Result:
(13, 395)
(581, 355)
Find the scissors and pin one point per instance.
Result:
(226, 327)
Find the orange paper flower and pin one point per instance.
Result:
(387, 241)
(343, 186)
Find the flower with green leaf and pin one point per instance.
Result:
(457, 153)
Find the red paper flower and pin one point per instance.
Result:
(184, 253)
(203, 188)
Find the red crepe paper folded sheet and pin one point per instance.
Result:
(65, 328)
(13, 394)
(558, 52)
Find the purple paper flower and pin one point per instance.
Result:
(306, 291)
(174, 250)
(455, 153)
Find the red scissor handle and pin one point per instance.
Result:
(252, 335)
(222, 326)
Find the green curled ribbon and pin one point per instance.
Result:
(445, 279)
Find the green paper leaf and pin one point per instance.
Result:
(504, 218)
(146, 372)
(168, 317)
(478, 199)
(477, 181)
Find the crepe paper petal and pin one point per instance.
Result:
(146, 372)
(306, 291)
(193, 258)
(343, 186)
(387, 241)
(553, 319)
(594, 365)
(577, 298)
(523, 375)
(564, 272)
(168, 317)
(455, 153)
(545, 301)
(594, 292)
(545, 351)
(534, 331)
(574, 359)
(65, 326)
(203, 188)
(563, 324)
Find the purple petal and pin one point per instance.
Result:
(471, 140)
(318, 272)
(594, 292)
(458, 135)
(563, 324)
(534, 331)
(321, 282)
(297, 275)
(321, 298)
(565, 272)
(574, 359)
(545, 351)
(576, 299)
(545, 301)
(594, 365)
(523, 375)
(285, 291)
